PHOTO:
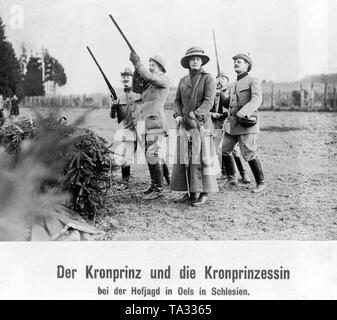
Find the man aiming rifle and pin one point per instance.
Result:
(154, 86)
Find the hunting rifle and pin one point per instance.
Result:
(216, 55)
(138, 84)
(112, 90)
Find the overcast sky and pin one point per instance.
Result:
(285, 38)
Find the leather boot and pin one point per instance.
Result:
(230, 170)
(125, 173)
(147, 190)
(203, 197)
(166, 173)
(256, 168)
(156, 174)
(242, 170)
(186, 197)
(223, 169)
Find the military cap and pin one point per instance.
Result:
(246, 58)
(127, 71)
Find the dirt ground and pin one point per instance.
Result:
(298, 151)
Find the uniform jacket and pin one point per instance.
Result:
(153, 100)
(201, 173)
(128, 109)
(246, 96)
(221, 105)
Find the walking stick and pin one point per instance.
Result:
(186, 165)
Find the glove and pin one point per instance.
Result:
(114, 103)
(178, 120)
(215, 115)
(134, 58)
(113, 108)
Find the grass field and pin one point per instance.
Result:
(298, 151)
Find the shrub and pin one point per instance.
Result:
(79, 158)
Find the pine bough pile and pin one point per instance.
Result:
(81, 162)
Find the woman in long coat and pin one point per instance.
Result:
(194, 169)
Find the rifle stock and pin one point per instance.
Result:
(113, 92)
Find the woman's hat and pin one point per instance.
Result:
(127, 71)
(246, 58)
(193, 52)
(160, 61)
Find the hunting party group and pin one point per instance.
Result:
(217, 124)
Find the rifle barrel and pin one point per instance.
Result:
(121, 32)
(113, 92)
(216, 54)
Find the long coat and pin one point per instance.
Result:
(153, 100)
(246, 96)
(198, 167)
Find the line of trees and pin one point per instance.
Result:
(27, 76)
(10, 71)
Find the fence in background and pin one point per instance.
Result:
(300, 96)
(294, 96)
(69, 101)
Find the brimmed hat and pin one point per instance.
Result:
(193, 52)
(127, 71)
(246, 58)
(160, 60)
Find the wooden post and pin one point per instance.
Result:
(325, 105)
(272, 97)
(100, 101)
(311, 96)
(302, 96)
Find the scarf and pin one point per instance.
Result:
(193, 74)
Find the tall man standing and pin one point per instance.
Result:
(127, 109)
(242, 125)
(154, 96)
(219, 113)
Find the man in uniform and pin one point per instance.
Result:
(2, 115)
(15, 106)
(242, 125)
(219, 113)
(127, 109)
(154, 96)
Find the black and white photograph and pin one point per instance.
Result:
(164, 124)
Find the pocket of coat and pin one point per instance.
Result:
(244, 94)
(153, 122)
